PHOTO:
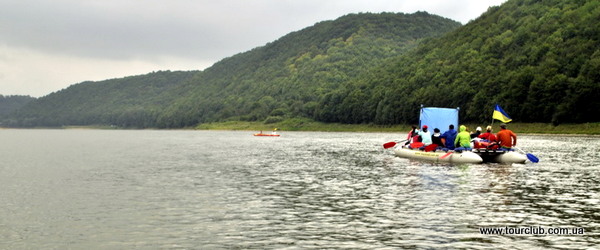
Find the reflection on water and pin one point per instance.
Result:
(205, 189)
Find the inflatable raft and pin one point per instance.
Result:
(500, 156)
(438, 156)
(479, 151)
(462, 156)
(491, 152)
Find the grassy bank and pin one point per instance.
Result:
(298, 125)
(547, 128)
(309, 125)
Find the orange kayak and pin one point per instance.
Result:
(265, 134)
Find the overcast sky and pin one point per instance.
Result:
(47, 45)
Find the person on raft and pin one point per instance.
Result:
(463, 139)
(476, 133)
(425, 136)
(413, 135)
(437, 138)
(450, 136)
(488, 135)
(506, 137)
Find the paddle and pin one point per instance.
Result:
(446, 155)
(391, 144)
(531, 157)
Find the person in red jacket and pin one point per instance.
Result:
(506, 138)
(488, 135)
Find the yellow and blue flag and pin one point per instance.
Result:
(499, 114)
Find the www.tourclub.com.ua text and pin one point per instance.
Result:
(532, 230)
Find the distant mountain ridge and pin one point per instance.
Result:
(131, 101)
(284, 78)
(11, 103)
(289, 77)
(540, 60)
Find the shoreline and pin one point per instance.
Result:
(305, 125)
(583, 129)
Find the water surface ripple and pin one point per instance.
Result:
(121, 189)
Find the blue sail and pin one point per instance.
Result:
(439, 118)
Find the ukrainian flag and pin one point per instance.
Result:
(499, 114)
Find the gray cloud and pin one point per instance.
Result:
(119, 30)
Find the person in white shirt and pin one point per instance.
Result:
(425, 135)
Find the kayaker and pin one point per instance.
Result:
(425, 135)
(450, 136)
(506, 137)
(463, 139)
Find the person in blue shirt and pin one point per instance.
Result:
(450, 136)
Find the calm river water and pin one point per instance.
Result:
(149, 189)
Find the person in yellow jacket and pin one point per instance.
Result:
(463, 139)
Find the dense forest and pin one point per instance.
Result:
(11, 103)
(284, 78)
(132, 101)
(290, 77)
(540, 60)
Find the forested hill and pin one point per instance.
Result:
(540, 60)
(290, 77)
(133, 101)
(285, 78)
(9, 104)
